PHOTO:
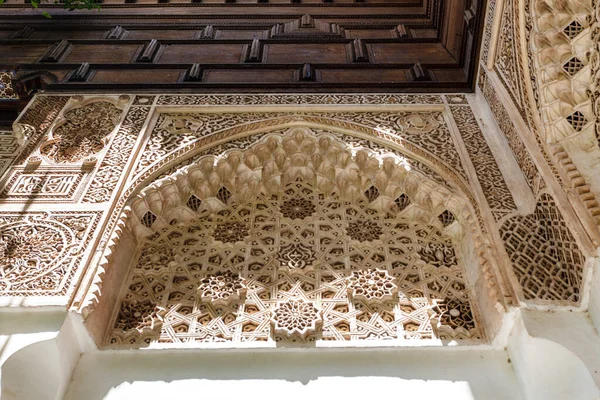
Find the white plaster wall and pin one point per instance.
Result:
(25, 328)
(594, 307)
(546, 369)
(294, 374)
(580, 336)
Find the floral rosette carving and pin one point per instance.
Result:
(296, 319)
(222, 288)
(372, 285)
(419, 123)
(26, 251)
(297, 208)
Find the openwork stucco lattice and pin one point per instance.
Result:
(545, 256)
(299, 265)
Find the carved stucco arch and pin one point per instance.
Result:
(483, 279)
(561, 68)
(529, 46)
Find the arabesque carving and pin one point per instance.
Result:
(295, 99)
(39, 253)
(110, 170)
(490, 177)
(509, 65)
(289, 277)
(36, 121)
(425, 129)
(516, 144)
(487, 33)
(84, 133)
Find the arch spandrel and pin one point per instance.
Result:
(218, 201)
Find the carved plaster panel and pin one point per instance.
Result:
(42, 186)
(120, 150)
(35, 122)
(508, 64)
(507, 127)
(40, 252)
(82, 132)
(9, 147)
(299, 218)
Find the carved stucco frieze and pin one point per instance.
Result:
(487, 32)
(509, 130)
(43, 186)
(295, 99)
(121, 148)
(508, 64)
(494, 187)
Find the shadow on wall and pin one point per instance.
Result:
(298, 373)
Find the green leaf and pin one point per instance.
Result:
(45, 14)
(1, 1)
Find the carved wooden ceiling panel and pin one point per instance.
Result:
(310, 45)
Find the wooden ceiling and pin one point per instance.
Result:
(245, 46)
